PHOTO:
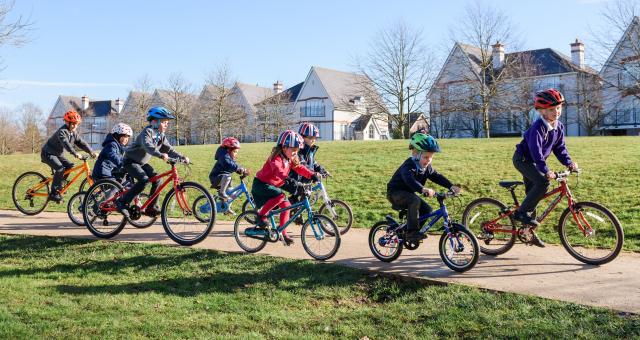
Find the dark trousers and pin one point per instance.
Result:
(535, 183)
(415, 206)
(59, 164)
(141, 174)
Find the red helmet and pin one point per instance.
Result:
(547, 98)
(72, 117)
(231, 143)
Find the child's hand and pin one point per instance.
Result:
(428, 192)
(295, 160)
(573, 167)
(455, 189)
(186, 160)
(165, 157)
(94, 155)
(551, 175)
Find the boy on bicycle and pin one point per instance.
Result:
(150, 142)
(226, 165)
(52, 151)
(411, 177)
(111, 158)
(545, 135)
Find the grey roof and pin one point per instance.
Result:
(97, 108)
(291, 94)
(254, 93)
(341, 86)
(361, 123)
(163, 97)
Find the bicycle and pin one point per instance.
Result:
(31, 190)
(320, 236)
(594, 228)
(177, 212)
(225, 206)
(339, 211)
(458, 247)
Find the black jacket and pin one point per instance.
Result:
(65, 139)
(408, 177)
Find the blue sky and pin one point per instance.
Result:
(99, 48)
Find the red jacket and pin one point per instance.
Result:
(275, 171)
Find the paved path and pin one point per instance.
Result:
(550, 272)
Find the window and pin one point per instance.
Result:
(547, 83)
(312, 108)
(371, 132)
(344, 131)
(631, 74)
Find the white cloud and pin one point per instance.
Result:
(59, 84)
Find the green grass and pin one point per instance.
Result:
(64, 288)
(361, 170)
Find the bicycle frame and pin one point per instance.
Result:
(84, 169)
(306, 206)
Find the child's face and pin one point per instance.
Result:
(290, 152)
(72, 126)
(233, 153)
(551, 114)
(124, 140)
(311, 141)
(425, 158)
(163, 124)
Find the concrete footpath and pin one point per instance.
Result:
(546, 272)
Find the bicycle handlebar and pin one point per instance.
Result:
(174, 161)
(562, 175)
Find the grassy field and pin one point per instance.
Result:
(64, 288)
(361, 170)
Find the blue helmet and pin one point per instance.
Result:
(159, 112)
(290, 139)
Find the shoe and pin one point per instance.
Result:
(152, 211)
(415, 235)
(287, 239)
(223, 196)
(123, 209)
(525, 219)
(536, 241)
(299, 220)
(55, 196)
(261, 223)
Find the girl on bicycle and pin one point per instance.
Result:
(411, 177)
(52, 151)
(545, 135)
(266, 185)
(310, 134)
(150, 142)
(111, 158)
(225, 166)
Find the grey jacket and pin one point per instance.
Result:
(65, 139)
(149, 143)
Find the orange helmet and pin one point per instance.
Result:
(72, 117)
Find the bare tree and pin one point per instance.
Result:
(31, 127)
(12, 32)
(138, 103)
(181, 101)
(484, 28)
(273, 115)
(399, 71)
(590, 114)
(9, 135)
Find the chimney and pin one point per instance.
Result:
(497, 55)
(119, 105)
(577, 53)
(277, 87)
(85, 102)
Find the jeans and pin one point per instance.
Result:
(59, 164)
(535, 183)
(141, 174)
(415, 206)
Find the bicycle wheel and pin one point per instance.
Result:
(459, 249)
(180, 221)
(478, 213)
(317, 243)
(103, 220)
(144, 221)
(30, 202)
(602, 238)
(340, 212)
(201, 209)
(384, 242)
(245, 233)
(248, 205)
(75, 208)
(84, 185)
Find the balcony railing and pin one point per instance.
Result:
(622, 118)
(312, 111)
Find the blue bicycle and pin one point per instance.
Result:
(203, 208)
(320, 235)
(458, 247)
(339, 211)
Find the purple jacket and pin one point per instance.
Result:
(539, 142)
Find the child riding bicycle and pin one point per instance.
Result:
(52, 152)
(226, 165)
(150, 142)
(411, 177)
(545, 135)
(111, 158)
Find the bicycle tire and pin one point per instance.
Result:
(72, 204)
(325, 223)
(244, 221)
(178, 236)
(140, 224)
(342, 227)
(474, 225)
(458, 229)
(90, 209)
(14, 195)
(374, 239)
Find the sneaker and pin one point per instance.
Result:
(55, 196)
(123, 209)
(261, 223)
(288, 240)
(152, 211)
(525, 219)
(415, 235)
(536, 241)
(223, 195)
(299, 220)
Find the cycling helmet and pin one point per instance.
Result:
(290, 139)
(308, 130)
(122, 129)
(231, 143)
(424, 142)
(547, 99)
(159, 112)
(72, 117)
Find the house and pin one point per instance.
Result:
(366, 127)
(418, 121)
(247, 96)
(135, 110)
(455, 101)
(98, 116)
(276, 113)
(332, 100)
(621, 85)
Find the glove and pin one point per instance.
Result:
(94, 155)
(78, 156)
(315, 177)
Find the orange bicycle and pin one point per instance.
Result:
(30, 192)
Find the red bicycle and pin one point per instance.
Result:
(589, 231)
(177, 213)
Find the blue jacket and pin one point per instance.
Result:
(308, 159)
(111, 157)
(538, 143)
(224, 163)
(408, 177)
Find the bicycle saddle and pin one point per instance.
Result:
(510, 184)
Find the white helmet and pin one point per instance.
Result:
(122, 129)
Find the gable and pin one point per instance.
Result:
(458, 67)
